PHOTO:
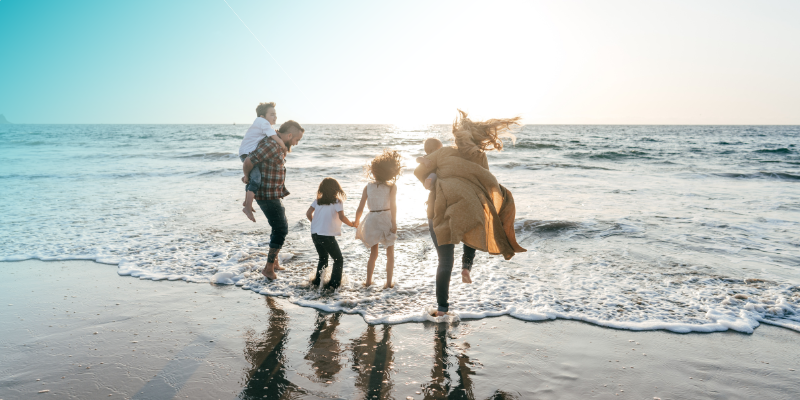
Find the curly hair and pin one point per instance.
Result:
(329, 192)
(486, 135)
(386, 167)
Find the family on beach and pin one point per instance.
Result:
(465, 205)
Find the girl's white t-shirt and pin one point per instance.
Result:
(326, 220)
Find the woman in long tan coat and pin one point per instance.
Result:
(467, 205)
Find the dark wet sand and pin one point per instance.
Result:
(79, 331)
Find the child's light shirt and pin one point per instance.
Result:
(260, 129)
(326, 220)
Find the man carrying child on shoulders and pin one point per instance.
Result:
(270, 158)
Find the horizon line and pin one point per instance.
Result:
(377, 123)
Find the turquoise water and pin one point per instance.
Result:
(635, 227)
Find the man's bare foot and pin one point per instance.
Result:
(440, 313)
(278, 265)
(269, 274)
(249, 213)
(465, 276)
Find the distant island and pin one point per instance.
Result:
(3, 120)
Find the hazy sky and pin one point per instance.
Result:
(404, 62)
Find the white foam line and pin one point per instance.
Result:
(719, 321)
(422, 316)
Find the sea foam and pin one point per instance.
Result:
(639, 228)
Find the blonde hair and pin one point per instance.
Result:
(263, 108)
(483, 135)
(386, 167)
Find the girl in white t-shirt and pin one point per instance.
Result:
(326, 215)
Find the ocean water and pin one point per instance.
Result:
(684, 228)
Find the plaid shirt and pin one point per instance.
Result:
(273, 171)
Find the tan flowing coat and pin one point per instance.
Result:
(469, 205)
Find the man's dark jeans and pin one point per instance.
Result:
(446, 259)
(328, 245)
(276, 216)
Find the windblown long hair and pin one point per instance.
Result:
(386, 167)
(329, 192)
(485, 135)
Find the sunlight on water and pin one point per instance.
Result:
(631, 227)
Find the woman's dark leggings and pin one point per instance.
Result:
(328, 245)
(446, 259)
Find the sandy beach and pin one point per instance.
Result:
(264, 200)
(77, 330)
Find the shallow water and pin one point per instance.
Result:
(634, 227)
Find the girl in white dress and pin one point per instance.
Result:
(380, 224)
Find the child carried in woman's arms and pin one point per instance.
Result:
(431, 145)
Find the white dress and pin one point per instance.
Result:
(375, 228)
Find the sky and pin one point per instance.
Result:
(400, 62)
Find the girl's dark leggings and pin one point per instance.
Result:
(326, 245)
(446, 259)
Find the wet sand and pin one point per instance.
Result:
(77, 330)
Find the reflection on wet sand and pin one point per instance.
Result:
(265, 352)
(324, 351)
(373, 358)
(371, 363)
(449, 363)
(441, 384)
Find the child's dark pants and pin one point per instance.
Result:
(326, 245)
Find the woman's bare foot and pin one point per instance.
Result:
(249, 212)
(367, 284)
(387, 285)
(465, 276)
